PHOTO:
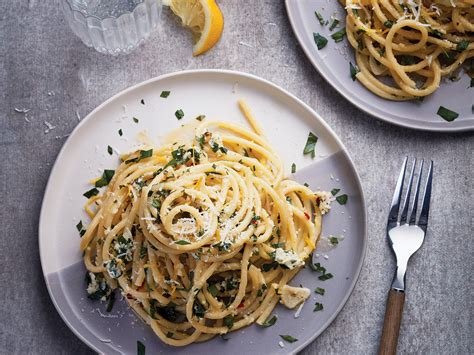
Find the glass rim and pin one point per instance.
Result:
(86, 16)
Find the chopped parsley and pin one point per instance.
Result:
(436, 33)
(319, 17)
(80, 228)
(320, 291)
(110, 150)
(342, 199)
(143, 252)
(120, 132)
(334, 240)
(462, 46)
(288, 338)
(317, 267)
(354, 69)
(407, 60)
(310, 144)
(255, 219)
(388, 24)
(447, 114)
(268, 267)
(198, 309)
(143, 155)
(110, 305)
(91, 193)
(182, 242)
(335, 191)
(261, 291)
(164, 94)
(325, 277)
(320, 41)
(278, 245)
(339, 35)
(293, 168)
(229, 321)
(179, 114)
(318, 307)
(142, 102)
(200, 118)
(334, 24)
(140, 348)
(213, 290)
(136, 120)
(105, 179)
(269, 322)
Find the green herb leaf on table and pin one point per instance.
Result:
(318, 307)
(164, 94)
(79, 226)
(293, 168)
(320, 41)
(319, 17)
(288, 338)
(342, 199)
(310, 144)
(92, 192)
(110, 150)
(270, 321)
(120, 132)
(334, 240)
(140, 348)
(325, 277)
(320, 291)
(334, 24)
(339, 35)
(200, 118)
(354, 70)
(136, 120)
(105, 179)
(179, 114)
(335, 191)
(447, 114)
(110, 305)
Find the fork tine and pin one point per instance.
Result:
(425, 207)
(415, 198)
(393, 215)
(403, 219)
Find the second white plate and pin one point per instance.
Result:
(333, 64)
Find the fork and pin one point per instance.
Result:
(405, 236)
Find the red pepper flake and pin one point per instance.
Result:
(306, 215)
(241, 305)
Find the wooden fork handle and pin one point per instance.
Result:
(391, 324)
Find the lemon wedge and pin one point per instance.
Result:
(203, 18)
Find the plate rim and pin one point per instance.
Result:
(210, 71)
(421, 126)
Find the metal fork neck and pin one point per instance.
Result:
(398, 282)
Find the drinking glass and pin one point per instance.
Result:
(112, 26)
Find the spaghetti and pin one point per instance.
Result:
(202, 236)
(413, 42)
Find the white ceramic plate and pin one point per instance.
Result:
(333, 64)
(213, 93)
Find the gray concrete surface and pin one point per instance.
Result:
(39, 54)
